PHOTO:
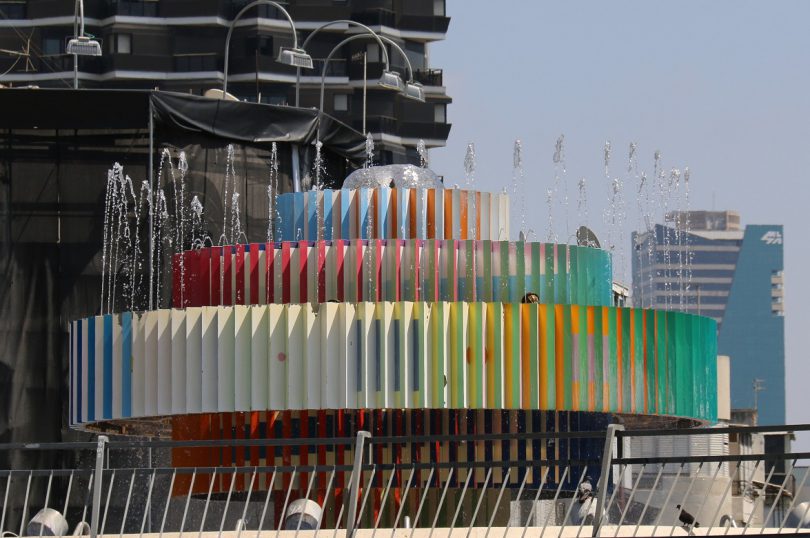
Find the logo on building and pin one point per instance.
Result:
(772, 238)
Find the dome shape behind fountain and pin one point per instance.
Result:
(405, 176)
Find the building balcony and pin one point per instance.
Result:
(429, 77)
(377, 124)
(427, 131)
(386, 17)
(376, 17)
(194, 8)
(337, 68)
(198, 62)
(424, 23)
(133, 8)
(319, 13)
(404, 129)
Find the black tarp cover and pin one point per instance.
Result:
(257, 124)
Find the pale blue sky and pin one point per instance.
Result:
(722, 87)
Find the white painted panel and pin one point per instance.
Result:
(178, 379)
(150, 350)
(330, 329)
(312, 360)
(242, 359)
(295, 357)
(277, 360)
(258, 363)
(193, 360)
(351, 346)
(225, 359)
(164, 362)
(209, 361)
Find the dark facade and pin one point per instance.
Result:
(734, 275)
(178, 45)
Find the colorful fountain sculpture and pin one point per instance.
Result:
(401, 311)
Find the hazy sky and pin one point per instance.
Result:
(722, 87)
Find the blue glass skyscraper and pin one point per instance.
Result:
(733, 274)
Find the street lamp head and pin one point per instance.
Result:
(83, 46)
(294, 57)
(415, 91)
(390, 80)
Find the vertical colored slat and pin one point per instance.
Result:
(126, 367)
(108, 367)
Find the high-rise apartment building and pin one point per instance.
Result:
(732, 273)
(179, 45)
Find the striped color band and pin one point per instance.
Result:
(393, 355)
(384, 213)
(392, 270)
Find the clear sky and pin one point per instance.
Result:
(722, 87)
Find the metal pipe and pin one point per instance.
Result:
(100, 451)
(604, 477)
(354, 481)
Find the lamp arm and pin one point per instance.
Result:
(402, 52)
(332, 53)
(233, 25)
(78, 14)
(327, 25)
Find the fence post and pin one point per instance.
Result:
(354, 484)
(604, 477)
(97, 482)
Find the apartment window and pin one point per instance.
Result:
(373, 52)
(121, 44)
(263, 45)
(440, 113)
(51, 46)
(341, 102)
(416, 54)
(13, 10)
(438, 8)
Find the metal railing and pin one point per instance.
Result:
(443, 484)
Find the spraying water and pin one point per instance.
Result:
(162, 239)
(469, 165)
(550, 204)
(198, 237)
(518, 181)
(319, 165)
(469, 175)
(423, 154)
(228, 182)
(582, 201)
(237, 234)
(686, 233)
(561, 185)
(180, 217)
(369, 151)
(272, 194)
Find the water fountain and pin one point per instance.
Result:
(388, 302)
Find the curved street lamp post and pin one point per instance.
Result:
(288, 56)
(389, 79)
(327, 25)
